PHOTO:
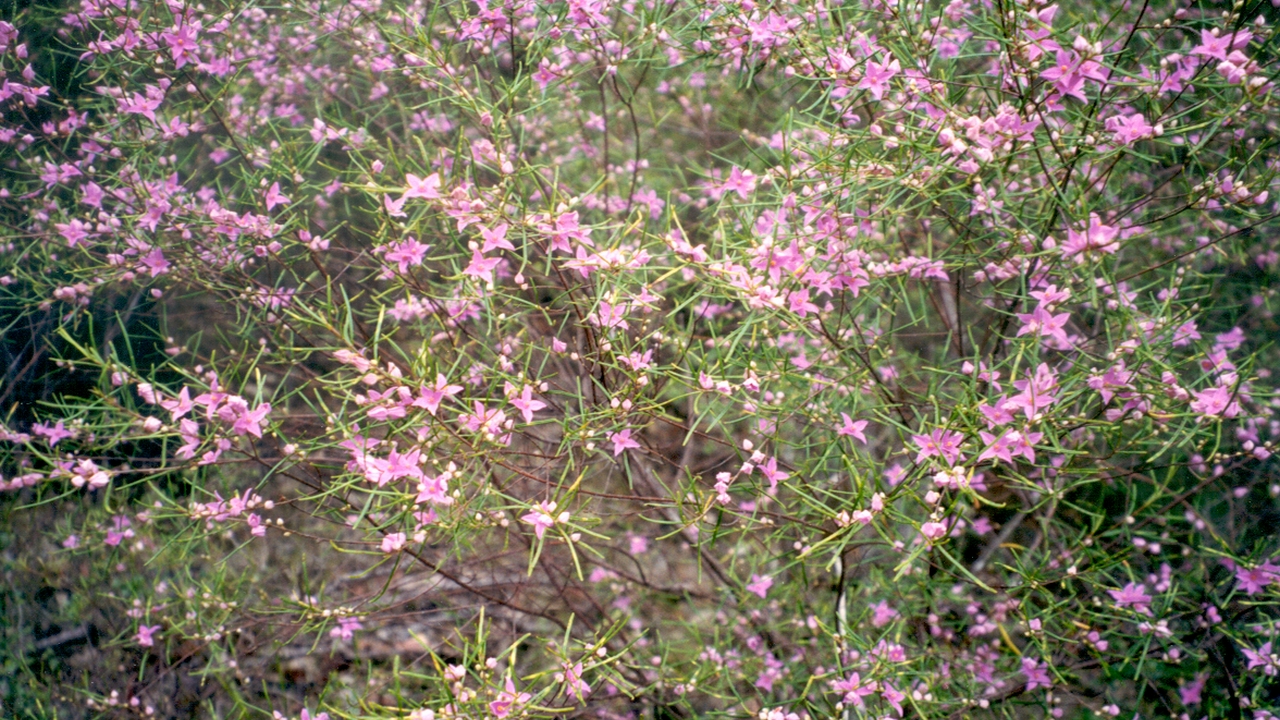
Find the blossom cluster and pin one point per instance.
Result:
(639, 359)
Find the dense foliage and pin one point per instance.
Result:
(464, 358)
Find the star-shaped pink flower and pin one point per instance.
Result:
(622, 441)
(760, 585)
(526, 404)
(853, 428)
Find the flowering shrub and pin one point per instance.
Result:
(623, 359)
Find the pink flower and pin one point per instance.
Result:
(1066, 64)
(140, 104)
(893, 696)
(741, 182)
(483, 420)
(1095, 238)
(406, 253)
(610, 316)
(427, 188)
(506, 700)
(344, 356)
(481, 267)
(1129, 129)
(940, 443)
(771, 674)
(395, 466)
(773, 474)
(145, 636)
(275, 197)
(430, 397)
(760, 585)
(1006, 446)
(877, 76)
(495, 239)
(527, 405)
(74, 232)
(394, 542)
(1189, 694)
(87, 472)
(575, 686)
(882, 613)
(1255, 580)
(852, 428)
(1039, 391)
(1134, 595)
(622, 441)
(395, 208)
(346, 628)
(1262, 658)
(854, 689)
(933, 531)
(182, 44)
(256, 528)
(1215, 402)
(1042, 323)
(434, 490)
(179, 406)
(155, 263)
(544, 75)
(1218, 46)
(54, 433)
(1037, 674)
(541, 517)
(120, 531)
(250, 421)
